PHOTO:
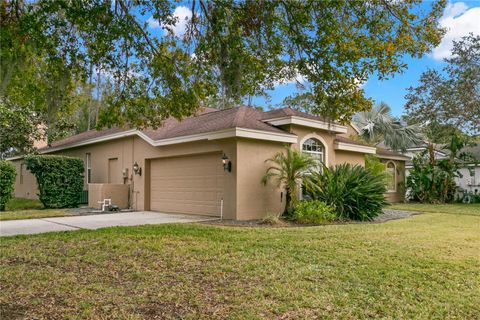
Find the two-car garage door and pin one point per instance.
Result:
(190, 184)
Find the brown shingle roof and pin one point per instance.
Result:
(240, 117)
(87, 135)
(385, 152)
(207, 120)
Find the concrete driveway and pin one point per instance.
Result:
(33, 226)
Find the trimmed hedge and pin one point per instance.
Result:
(7, 182)
(59, 179)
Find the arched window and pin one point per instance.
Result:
(391, 177)
(315, 149)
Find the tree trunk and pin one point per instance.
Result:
(431, 153)
(288, 201)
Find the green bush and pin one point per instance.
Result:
(7, 182)
(352, 191)
(59, 179)
(313, 211)
(375, 166)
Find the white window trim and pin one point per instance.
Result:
(394, 176)
(321, 139)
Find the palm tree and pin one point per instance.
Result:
(288, 170)
(379, 124)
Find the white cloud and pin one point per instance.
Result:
(182, 15)
(297, 79)
(152, 23)
(459, 20)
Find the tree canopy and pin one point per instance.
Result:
(450, 97)
(230, 50)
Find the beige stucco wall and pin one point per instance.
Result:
(118, 193)
(25, 182)
(351, 132)
(349, 157)
(100, 153)
(254, 200)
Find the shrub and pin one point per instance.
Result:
(375, 166)
(59, 178)
(288, 170)
(352, 191)
(313, 211)
(7, 182)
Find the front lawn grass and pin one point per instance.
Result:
(33, 214)
(455, 208)
(23, 204)
(423, 267)
(18, 208)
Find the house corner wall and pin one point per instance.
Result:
(254, 200)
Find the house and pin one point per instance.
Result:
(210, 163)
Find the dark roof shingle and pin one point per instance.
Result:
(207, 120)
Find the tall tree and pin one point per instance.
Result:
(451, 96)
(19, 127)
(231, 49)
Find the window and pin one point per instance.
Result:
(315, 149)
(391, 177)
(88, 165)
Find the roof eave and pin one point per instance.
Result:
(214, 135)
(345, 146)
(306, 122)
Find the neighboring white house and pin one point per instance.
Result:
(471, 173)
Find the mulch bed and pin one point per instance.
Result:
(387, 215)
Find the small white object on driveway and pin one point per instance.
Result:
(33, 226)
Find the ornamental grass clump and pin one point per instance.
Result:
(354, 192)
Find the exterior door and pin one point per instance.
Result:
(114, 171)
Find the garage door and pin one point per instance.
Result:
(192, 184)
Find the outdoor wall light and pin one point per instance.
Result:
(227, 164)
(137, 169)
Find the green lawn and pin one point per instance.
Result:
(426, 266)
(457, 208)
(19, 208)
(23, 204)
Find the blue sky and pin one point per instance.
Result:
(459, 18)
